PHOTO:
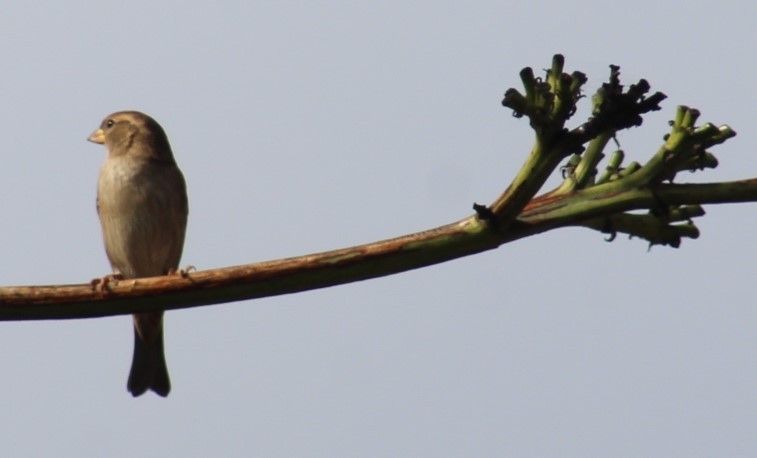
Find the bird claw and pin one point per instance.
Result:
(102, 282)
(183, 273)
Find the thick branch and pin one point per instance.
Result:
(248, 281)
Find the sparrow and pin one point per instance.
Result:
(143, 207)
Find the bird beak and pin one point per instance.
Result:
(97, 136)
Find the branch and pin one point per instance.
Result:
(639, 200)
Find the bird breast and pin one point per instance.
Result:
(142, 206)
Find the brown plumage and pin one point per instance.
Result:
(142, 204)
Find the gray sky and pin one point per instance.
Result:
(306, 126)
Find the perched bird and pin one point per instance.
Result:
(142, 205)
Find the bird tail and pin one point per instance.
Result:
(148, 366)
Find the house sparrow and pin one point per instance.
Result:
(142, 205)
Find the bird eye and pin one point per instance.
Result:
(109, 123)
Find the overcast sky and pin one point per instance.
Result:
(307, 126)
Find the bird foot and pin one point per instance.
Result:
(102, 282)
(183, 273)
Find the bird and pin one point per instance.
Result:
(143, 209)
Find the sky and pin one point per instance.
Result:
(307, 126)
